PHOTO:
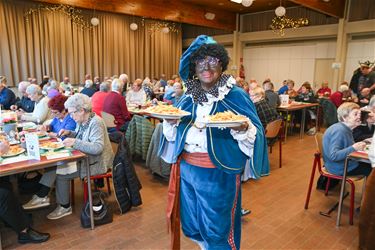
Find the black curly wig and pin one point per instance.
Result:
(214, 50)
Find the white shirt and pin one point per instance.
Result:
(137, 98)
(41, 112)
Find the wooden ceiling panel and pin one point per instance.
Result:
(169, 10)
(193, 11)
(257, 6)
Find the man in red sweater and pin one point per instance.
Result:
(115, 105)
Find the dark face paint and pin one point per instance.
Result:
(208, 71)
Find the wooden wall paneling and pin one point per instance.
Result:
(333, 8)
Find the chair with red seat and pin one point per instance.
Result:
(324, 172)
(107, 176)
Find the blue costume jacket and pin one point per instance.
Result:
(222, 148)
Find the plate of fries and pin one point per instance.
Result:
(226, 119)
(51, 145)
(14, 151)
(166, 112)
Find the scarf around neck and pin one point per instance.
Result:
(83, 127)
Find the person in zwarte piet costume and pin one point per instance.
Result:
(205, 184)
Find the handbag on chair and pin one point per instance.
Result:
(102, 213)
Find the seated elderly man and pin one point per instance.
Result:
(7, 97)
(115, 105)
(174, 96)
(41, 111)
(24, 104)
(271, 96)
(136, 96)
(65, 85)
(89, 137)
(11, 211)
(89, 89)
(98, 98)
(265, 112)
(338, 142)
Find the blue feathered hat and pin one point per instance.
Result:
(185, 58)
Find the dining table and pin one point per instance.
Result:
(361, 156)
(22, 163)
(295, 106)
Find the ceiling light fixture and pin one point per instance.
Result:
(281, 22)
(133, 26)
(209, 16)
(280, 11)
(246, 3)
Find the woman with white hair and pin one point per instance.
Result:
(146, 85)
(337, 97)
(89, 137)
(41, 111)
(88, 90)
(338, 142)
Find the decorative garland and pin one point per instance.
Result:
(280, 23)
(72, 13)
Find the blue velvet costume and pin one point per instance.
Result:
(210, 198)
(223, 149)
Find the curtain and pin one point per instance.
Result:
(49, 43)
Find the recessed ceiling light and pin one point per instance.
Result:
(236, 1)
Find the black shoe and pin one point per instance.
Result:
(32, 236)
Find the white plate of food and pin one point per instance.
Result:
(14, 151)
(51, 145)
(27, 125)
(226, 119)
(166, 112)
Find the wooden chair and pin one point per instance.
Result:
(109, 120)
(322, 170)
(273, 130)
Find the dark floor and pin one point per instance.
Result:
(278, 219)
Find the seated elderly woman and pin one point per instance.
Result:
(290, 91)
(338, 142)
(147, 87)
(89, 137)
(174, 96)
(41, 112)
(306, 95)
(136, 96)
(61, 120)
